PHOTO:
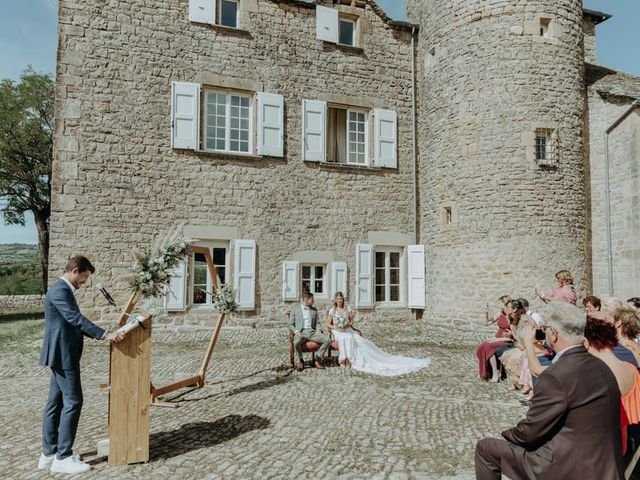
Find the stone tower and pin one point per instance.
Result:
(501, 183)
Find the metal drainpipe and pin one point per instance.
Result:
(413, 131)
(607, 189)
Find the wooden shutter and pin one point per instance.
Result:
(416, 276)
(290, 280)
(176, 294)
(185, 115)
(202, 11)
(338, 278)
(314, 127)
(327, 24)
(244, 270)
(364, 275)
(270, 124)
(385, 138)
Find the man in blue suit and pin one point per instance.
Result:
(61, 351)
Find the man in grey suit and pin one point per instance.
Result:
(303, 322)
(572, 429)
(61, 351)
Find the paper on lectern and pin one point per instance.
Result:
(131, 324)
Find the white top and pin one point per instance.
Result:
(346, 308)
(306, 315)
(73, 289)
(536, 316)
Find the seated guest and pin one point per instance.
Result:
(487, 361)
(634, 302)
(627, 322)
(513, 358)
(591, 304)
(563, 292)
(601, 337)
(572, 429)
(303, 323)
(490, 320)
(608, 311)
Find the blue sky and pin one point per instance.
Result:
(28, 37)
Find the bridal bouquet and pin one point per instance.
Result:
(152, 268)
(341, 321)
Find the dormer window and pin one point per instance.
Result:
(347, 32)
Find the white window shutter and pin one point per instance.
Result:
(176, 293)
(185, 115)
(416, 276)
(314, 126)
(244, 273)
(327, 24)
(290, 280)
(338, 278)
(270, 124)
(385, 138)
(364, 275)
(202, 11)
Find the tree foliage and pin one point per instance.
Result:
(26, 152)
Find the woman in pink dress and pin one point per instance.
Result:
(564, 292)
(486, 350)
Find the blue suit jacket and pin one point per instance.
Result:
(64, 327)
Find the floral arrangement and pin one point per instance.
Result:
(341, 321)
(152, 268)
(223, 299)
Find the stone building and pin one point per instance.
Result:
(288, 138)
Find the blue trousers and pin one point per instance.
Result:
(62, 413)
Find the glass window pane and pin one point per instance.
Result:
(199, 296)
(394, 259)
(222, 274)
(380, 293)
(306, 286)
(318, 286)
(244, 101)
(346, 33)
(379, 259)
(319, 270)
(394, 293)
(229, 14)
(379, 276)
(244, 147)
(219, 256)
(394, 276)
(306, 272)
(234, 147)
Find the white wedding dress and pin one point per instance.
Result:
(365, 356)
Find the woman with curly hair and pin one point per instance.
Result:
(627, 322)
(563, 292)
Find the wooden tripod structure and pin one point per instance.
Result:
(198, 380)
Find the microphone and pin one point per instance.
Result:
(106, 295)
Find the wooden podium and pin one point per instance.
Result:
(130, 380)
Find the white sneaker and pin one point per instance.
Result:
(71, 465)
(45, 462)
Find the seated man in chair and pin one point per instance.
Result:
(303, 322)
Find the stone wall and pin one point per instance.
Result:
(487, 79)
(12, 303)
(611, 94)
(117, 183)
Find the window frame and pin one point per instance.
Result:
(387, 269)
(219, 14)
(354, 36)
(205, 124)
(210, 245)
(550, 146)
(367, 137)
(313, 279)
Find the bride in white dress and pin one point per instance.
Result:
(362, 354)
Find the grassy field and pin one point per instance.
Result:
(20, 269)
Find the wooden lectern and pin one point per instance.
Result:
(130, 380)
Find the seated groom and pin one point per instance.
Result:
(572, 429)
(303, 322)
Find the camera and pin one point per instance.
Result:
(540, 334)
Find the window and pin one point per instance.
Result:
(347, 32)
(447, 216)
(202, 282)
(388, 275)
(314, 279)
(228, 14)
(545, 146)
(544, 27)
(347, 138)
(228, 125)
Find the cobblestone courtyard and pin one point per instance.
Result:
(259, 419)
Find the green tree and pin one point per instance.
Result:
(26, 151)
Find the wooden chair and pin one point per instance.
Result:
(312, 347)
